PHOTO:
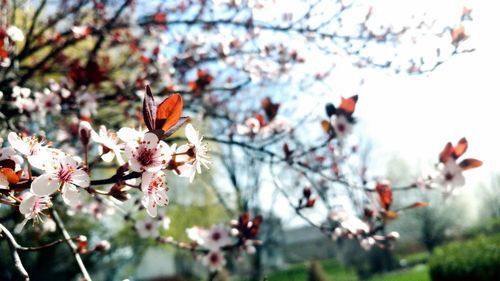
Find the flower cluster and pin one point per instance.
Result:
(450, 172)
(241, 236)
(138, 153)
(341, 119)
(213, 240)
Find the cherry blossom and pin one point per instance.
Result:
(31, 207)
(251, 127)
(147, 228)
(154, 190)
(22, 99)
(215, 238)
(450, 176)
(147, 154)
(10, 153)
(109, 145)
(35, 151)
(214, 260)
(64, 173)
(47, 102)
(4, 182)
(190, 157)
(87, 104)
(130, 134)
(15, 33)
(341, 125)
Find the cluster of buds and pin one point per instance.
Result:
(264, 124)
(307, 200)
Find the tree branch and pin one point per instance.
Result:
(14, 246)
(71, 244)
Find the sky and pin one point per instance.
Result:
(412, 117)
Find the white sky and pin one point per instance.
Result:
(414, 116)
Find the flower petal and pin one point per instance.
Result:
(45, 184)
(70, 195)
(108, 157)
(151, 207)
(80, 178)
(191, 134)
(146, 179)
(27, 203)
(18, 144)
(150, 140)
(4, 183)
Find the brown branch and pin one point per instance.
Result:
(14, 247)
(71, 244)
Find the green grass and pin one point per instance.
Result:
(418, 273)
(299, 272)
(414, 259)
(335, 271)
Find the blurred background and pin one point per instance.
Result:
(425, 74)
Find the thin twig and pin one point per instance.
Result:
(14, 247)
(71, 244)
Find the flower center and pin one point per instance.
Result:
(448, 176)
(155, 185)
(148, 226)
(341, 127)
(216, 236)
(214, 258)
(145, 157)
(64, 174)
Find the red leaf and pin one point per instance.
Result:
(460, 148)
(385, 194)
(445, 155)
(270, 108)
(11, 176)
(174, 128)
(168, 112)
(348, 105)
(470, 163)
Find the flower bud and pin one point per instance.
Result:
(84, 131)
(118, 192)
(102, 246)
(307, 192)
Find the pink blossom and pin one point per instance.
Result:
(36, 152)
(31, 207)
(147, 228)
(154, 190)
(147, 154)
(64, 173)
(214, 260)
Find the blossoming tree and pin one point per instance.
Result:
(76, 84)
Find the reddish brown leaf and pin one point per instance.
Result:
(327, 127)
(385, 194)
(348, 105)
(11, 176)
(460, 148)
(390, 215)
(7, 163)
(470, 163)
(174, 128)
(168, 112)
(270, 108)
(445, 155)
